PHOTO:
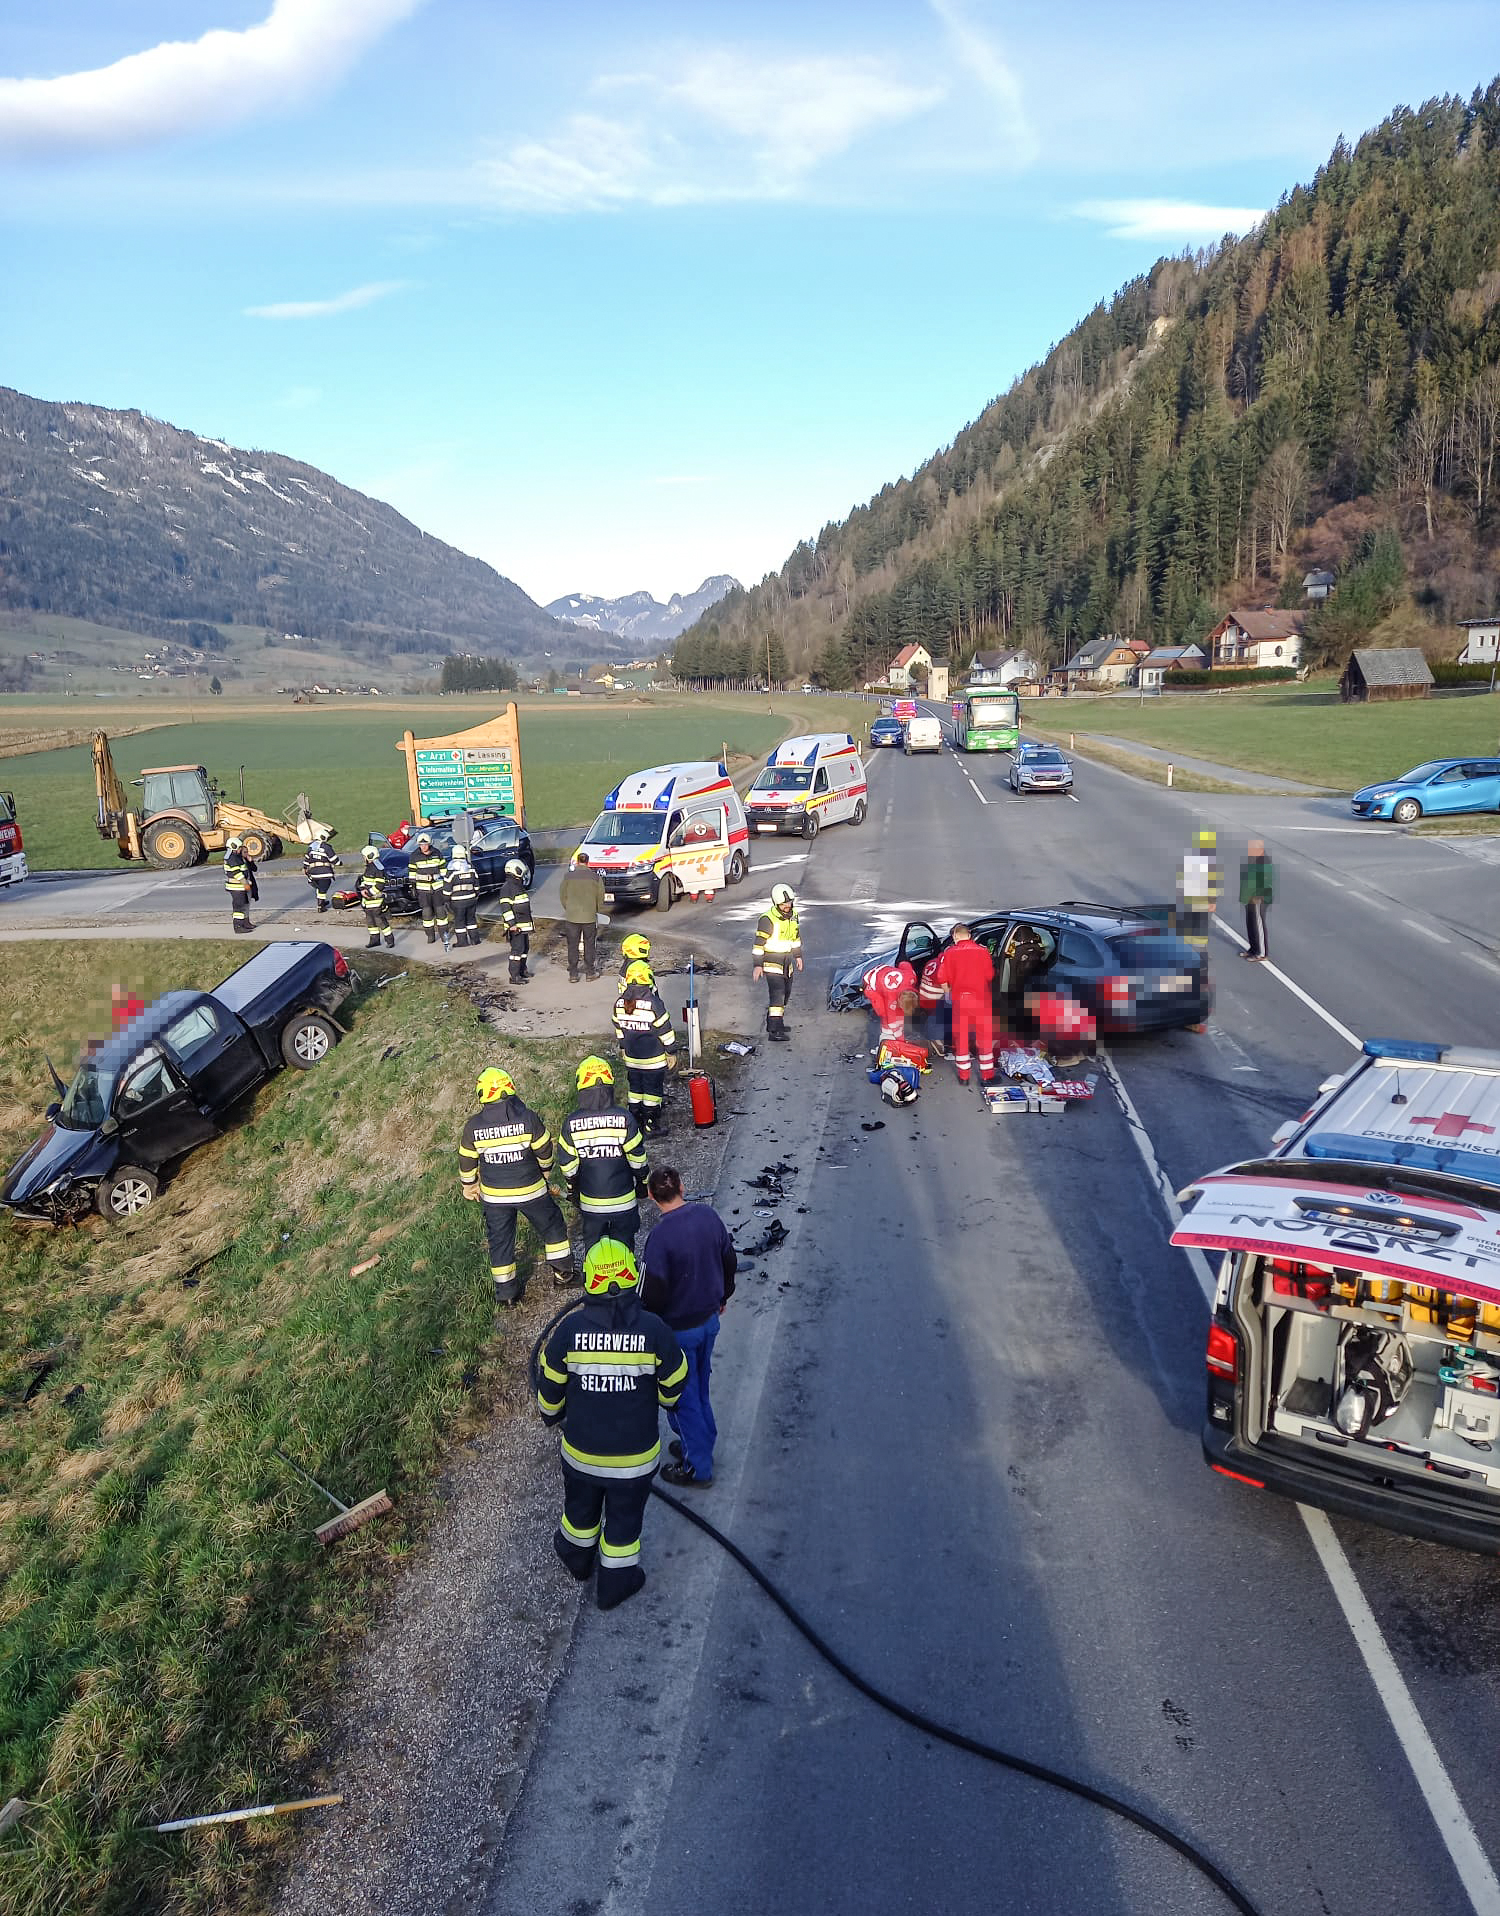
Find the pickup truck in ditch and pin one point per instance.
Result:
(165, 1082)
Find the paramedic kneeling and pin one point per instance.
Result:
(689, 1267)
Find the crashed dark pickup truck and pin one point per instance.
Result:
(164, 1083)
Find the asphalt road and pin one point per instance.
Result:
(959, 1415)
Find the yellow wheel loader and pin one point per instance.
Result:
(183, 816)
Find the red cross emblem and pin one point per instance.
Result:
(1451, 1125)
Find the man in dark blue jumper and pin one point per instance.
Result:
(689, 1267)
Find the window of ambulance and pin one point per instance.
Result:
(786, 778)
(626, 828)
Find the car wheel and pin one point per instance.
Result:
(1406, 811)
(257, 845)
(125, 1193)
(810, 826)
(665, 888)
(172, 846)
(859, 812)
(307, 1040)
(737, 869)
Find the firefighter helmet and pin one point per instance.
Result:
(608, 1267)
(234, 844)
(594, 1070)
(370, 854)
(495, 1083)
(638, 972)
(783, 897)
(516, 868)
(458, 856)
(635, 946)
(1206, 841)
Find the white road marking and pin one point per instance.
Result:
(1294, 988)
(119, 894)
(1232, 1049)
(1474, 1869)
(1371, 830)
(775, 864)
(1426, 930)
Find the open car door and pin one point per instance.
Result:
(919, 943)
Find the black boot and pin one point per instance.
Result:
(431, 934)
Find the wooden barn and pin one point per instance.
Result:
(1398, 672)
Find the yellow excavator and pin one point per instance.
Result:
(183, 816)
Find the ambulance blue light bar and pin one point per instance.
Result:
(1404, 1048)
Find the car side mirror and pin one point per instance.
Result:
(52, 1109)
(109, 1128)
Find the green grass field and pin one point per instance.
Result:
(1302, 733)
(166, 1618)
(345, 758)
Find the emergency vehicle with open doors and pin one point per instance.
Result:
(667, 831)
(12, 852)
(1354, 1349)
(809, 783)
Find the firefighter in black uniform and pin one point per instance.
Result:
(426, 870)
(635, 950)
(462, 890)
(372, 897)
(602, 1159)
(239, 882)
(516, 920)
(647, 1042)
(608, 1370)
(318, 866)
(777, 956)
(503, 1160)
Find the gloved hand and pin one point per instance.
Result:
(471, 1192)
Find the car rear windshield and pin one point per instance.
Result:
(627, 828)
(1153, 949)
(784, 778)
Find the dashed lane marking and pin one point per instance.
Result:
(1470, 1861)
(1293, 987)
(1415, 924)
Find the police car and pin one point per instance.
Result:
(1354, 1350)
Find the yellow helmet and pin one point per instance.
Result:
(494, 1083)
(638, 972)
(635, 946)
(609, 1266)
(594, 1070)
(1206, 841)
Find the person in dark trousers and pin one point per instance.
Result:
(461, 889)
(776, 956)
(427, 869)
(689, 1264)
(239, 882)
(608, 1371)
(516, 920)
(372, 897)
(602, 1159)
(648, 1044)
(319, 863)
(1257, 887)
(582, 897)
(504, 1156)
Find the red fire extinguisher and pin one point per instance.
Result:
(701, 1097)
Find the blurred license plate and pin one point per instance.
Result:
(1177, 981)
(765, 828)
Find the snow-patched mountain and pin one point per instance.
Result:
(637, 616)
(120, 518)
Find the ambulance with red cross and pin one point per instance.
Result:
(1354, 1349)
(809, 783)
(668, 832)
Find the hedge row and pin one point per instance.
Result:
(1450, 672)
(1254, 675)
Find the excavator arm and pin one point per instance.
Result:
(113, 815)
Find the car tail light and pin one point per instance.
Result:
(1223, 1357)
(1116, 990)
(340, 965)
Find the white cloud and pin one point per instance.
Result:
(349, 302)
(985, 62)
(1170, 219)
(721, 124)
(182, 86)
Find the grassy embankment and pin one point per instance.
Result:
(345, 757)
(166, 1617)
(1302, 732)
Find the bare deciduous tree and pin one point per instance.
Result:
(1421, 446)
(1283, 487)
(1478, 421)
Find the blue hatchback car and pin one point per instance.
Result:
(1441, 785)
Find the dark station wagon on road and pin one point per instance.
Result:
(496, 838)
(165, 1081)
(1120, 961)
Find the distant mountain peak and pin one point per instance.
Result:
(639, 617)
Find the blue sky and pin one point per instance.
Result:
(620, 295)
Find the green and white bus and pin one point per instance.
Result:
(990, 720)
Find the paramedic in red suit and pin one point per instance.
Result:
(968, 971)
(885, 987)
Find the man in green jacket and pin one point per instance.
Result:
(1257, 886)
(582, 897)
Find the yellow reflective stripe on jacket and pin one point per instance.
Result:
(512, 1196)
(784, 934)
(678, 1376)
(640, 1465)
(550, 1405)
(608, 1206)
(557, 1376)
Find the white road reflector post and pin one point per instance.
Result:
(244, 1816)
(1170, 770)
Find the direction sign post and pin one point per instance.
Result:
(477, 770)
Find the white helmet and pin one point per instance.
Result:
(458, 856)
(895, 1090)
(425, 838)
(783, 897)
(234, 844)
(370, 854)
(516, 868)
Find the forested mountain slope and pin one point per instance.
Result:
(1322, 392)
(119, 518)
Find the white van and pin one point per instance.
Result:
(923, 734)
(809, 783)
(668, 830)
(1354, 1348)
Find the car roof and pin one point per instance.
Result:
(124, 1045)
